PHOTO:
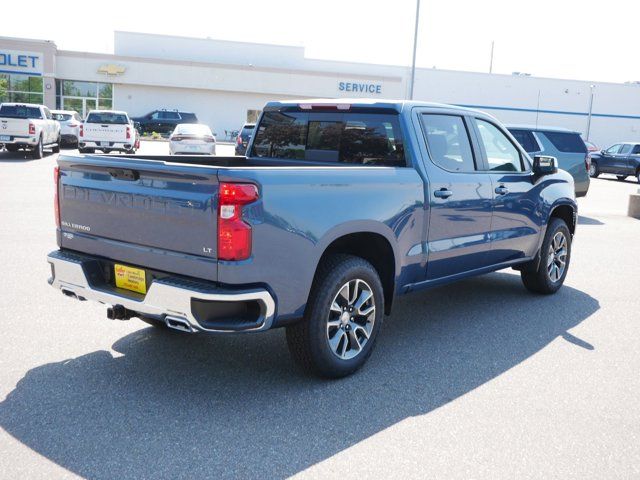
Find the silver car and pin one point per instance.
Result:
(192, 139)
(70, 122)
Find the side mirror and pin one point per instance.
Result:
(544, 165)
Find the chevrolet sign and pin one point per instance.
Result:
(111, 69)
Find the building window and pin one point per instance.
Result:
(252, 115)
(16, 87)
(83, 96)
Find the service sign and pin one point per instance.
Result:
(364, 88)
(17, 61)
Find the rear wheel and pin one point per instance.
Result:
(38, 150)
(621, 177)
(86, 150)
(342, 319)
(638, 175)
(553, 265)
(593, 170)
(56, 148)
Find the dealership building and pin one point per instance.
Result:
(227, 83)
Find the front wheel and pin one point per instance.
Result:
(593, 170)
(342, 319)
(553, 265)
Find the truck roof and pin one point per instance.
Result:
(541, 128)
(397, 105)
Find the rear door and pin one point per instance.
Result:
(514, 232)
(460, 197)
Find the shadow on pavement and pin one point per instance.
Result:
(588, 221)
(175, 405)
(20, 156)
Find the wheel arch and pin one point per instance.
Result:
(374, 244)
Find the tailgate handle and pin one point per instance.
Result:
(105, 126)
(124, 174)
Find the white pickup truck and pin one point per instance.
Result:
(29, 127)
(107, 130)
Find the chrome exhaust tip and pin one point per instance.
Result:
(178, 323)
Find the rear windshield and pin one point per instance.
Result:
(246, 132)
(20, 111)
(61, 117)
(567, 142)
(192, 129)
(107, 118)
(346, 138)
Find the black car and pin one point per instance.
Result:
(243, 138)
(163, 121)
(621, 160)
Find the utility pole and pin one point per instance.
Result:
(415, 47)
(491, 61)
(590, 110)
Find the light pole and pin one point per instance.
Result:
(590, 110)
(415, 47)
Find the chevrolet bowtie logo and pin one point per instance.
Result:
(112, 69)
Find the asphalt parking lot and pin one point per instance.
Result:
(475, 380)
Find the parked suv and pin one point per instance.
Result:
(243, 138)
(566, 145)
(163, 121)
(70, 122)
(621, 160)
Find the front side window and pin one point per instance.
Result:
(626, 148)
(612, 150)
(502, 155)
(448, 142)
(155, 116)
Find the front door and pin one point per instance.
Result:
(514, 231)
(608, 158)
(460, 198)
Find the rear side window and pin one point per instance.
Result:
(636, 150)
(448, 142)
(567, 142)
(526, 140)
(189, 117)
(108, 118)
(348, 138)
(20, 111)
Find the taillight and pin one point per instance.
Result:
(238, 140)
(177, 138)
(56, 203)
(81, 131)
(128, 133)
(234, 234)
(32, 129)
(209, 139)
(72, 125)
(587, 162)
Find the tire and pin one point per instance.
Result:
(38, 150)
(621, 178)
(56, 148)
(326, 341)
(551, 272)
(86, 150)
(11, 148)
(638, 175)
(593, 170)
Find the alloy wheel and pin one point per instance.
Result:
(351, 319)
(557, 257)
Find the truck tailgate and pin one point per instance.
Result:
(14, 127)
(147, 213)
(96, 132)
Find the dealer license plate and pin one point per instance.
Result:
(130, 278)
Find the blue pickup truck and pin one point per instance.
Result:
(337, 208)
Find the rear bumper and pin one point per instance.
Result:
(20, 140)
(100, 145)
(182, 303)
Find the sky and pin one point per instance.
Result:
(585, 40)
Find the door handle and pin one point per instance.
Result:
(502, 190)
(442, 193)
